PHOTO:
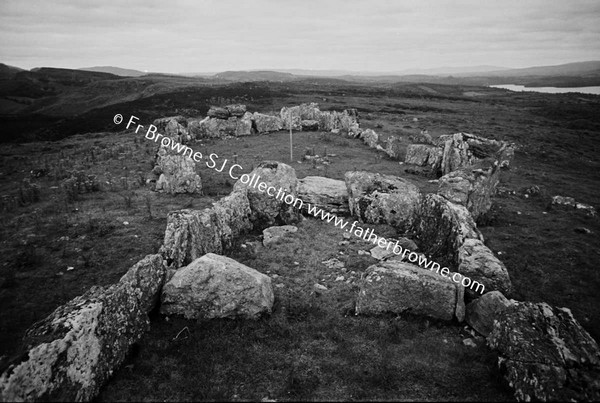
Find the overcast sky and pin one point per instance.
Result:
(216, 35)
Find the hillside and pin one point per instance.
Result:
(118, 71)
(255, 76)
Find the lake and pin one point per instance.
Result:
(549, 90)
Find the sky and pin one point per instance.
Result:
(178, 36)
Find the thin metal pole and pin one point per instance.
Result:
(291, 149)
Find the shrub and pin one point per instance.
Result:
(79, 183)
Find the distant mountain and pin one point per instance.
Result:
(569, 69)
(118, 71)
(444, 71)
(255, 76)
(342, 73)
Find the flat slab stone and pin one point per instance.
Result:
(399, 287)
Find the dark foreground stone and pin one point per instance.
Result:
(545, 354)
(399, 287)
(72, 353)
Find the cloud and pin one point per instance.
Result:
(213, 35)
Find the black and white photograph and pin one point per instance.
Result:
(284, 200)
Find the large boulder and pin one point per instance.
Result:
(244, 125)
(298, 114)
(215, 286)
(174, 127)
(422, 138)
(481, 312)
(266, 123)
(328, 194)
(456, 153)
(393, 147)
(177, 173)
(382, 199)
(237, 110)
(281, 206)
(423, 155)
(369, 137)
(442, 227)
(193, 233)
(472, 188)
(218, 112)
(328, 121)
(233, 217)
(545, 354)
(482, 148)
(189, 235)
(399, 287)
(309, 125)
(211, 127)
(69, 355)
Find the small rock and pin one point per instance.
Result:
(296, 263)
(125, 222)
(363, 252)
(70, 268)
(343, 243)
(346, 235)
(280, 285)
(333, 264)
(583, 230)
(339, 278)
(469, 343)
(319, 287)
(381, 253)
(274, 275)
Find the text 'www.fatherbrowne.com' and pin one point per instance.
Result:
(290, 199)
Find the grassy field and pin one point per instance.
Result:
(312, 347)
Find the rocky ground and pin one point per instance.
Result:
(59, 244)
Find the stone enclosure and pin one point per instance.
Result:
(71, 354)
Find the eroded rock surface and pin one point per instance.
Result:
(393, 147)
(328, 194)
(215, 286)
(72, 353)
(400, 287)
(191, 234)
(369, 137)
(477, 261)
(174, 127)
(545, 354)
(482, 312)
(442, 227)
(375, 198)
(268, 210)
(423, 155)
(177, 173)
(266, 123)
